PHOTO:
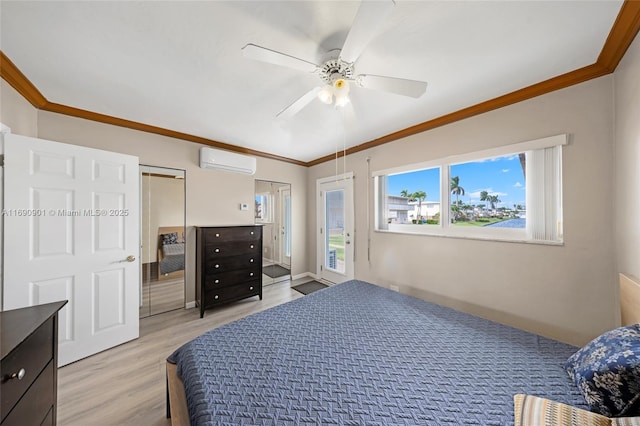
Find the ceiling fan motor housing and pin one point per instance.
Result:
(335, 69)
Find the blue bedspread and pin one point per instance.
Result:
(359, 354)
(172, 258)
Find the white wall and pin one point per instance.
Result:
(562, 292)
(16, 112)
(627, 160)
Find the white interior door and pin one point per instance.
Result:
(335, 228)
(72, 232)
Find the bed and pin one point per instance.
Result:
(358, 354)
(171, 256)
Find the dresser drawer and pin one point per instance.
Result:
(232, 248)
(239, 291)
(34, 407)
(226, 264)
(32, 356)
(224, 279)
(248, 233)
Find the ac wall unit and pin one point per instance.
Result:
(228, 161)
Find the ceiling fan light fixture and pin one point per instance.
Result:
(342, 101)
(326, 94)
(341, 87)
(340, 83)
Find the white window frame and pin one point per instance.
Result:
(544, 196)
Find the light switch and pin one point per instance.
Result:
(244, 206)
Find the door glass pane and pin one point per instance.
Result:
(287, 226)
(334, 236)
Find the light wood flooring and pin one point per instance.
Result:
(125, 385)
(161, 296)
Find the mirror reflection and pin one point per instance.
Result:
(162, 240)
(273, 211)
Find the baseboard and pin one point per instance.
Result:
(304, 275)
(190, 305)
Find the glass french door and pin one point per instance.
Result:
(335, 230)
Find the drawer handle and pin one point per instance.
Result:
(251, 260)
(217, 250)
(251, 232)
(250, 274)
(217, 281)
(215, 297)
(251, 245)
(217, 266)
(19, 375)
(217, 235)
(250, 288)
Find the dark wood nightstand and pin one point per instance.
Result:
(29, 370)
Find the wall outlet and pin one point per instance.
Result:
(244, 206)
(394, 287)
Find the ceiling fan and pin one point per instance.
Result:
(338, 70)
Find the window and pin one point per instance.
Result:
(490, 192)
(263, 208)
(513, 193)
(413, 197)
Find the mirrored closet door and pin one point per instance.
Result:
(162, 240)
(273, 212)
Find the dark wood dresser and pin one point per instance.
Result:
(228, 264)
(29, 366)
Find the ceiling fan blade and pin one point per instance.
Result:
(400, 86)
(298, 104)
(370, 16)
(263, 54)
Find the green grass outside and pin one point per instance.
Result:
(337, 242)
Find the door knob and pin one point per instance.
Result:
(131, 258)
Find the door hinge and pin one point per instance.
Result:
(321, 230)
(321, 267)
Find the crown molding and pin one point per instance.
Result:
(624, 30)
(115, 121)
(622, 34)
(12, 75)
(556, 83)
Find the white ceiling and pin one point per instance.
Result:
(178, 65)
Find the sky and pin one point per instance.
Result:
(500, 176)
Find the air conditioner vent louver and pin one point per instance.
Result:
(217, 159)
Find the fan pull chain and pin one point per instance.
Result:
(344, 143)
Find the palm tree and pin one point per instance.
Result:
(484, 196)
(493, 200)
(456, 189)
(419, 196)
(405, 193)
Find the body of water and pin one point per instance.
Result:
(510, 223)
